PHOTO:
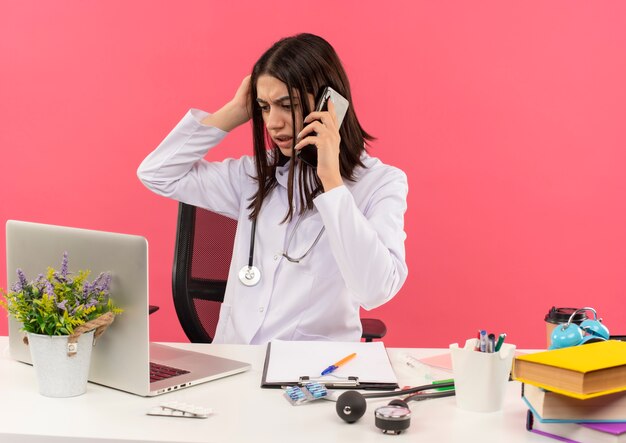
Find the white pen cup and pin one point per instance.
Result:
(480, 378)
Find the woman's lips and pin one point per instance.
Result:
(283, 142)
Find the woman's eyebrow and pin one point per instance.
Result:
(277, 101)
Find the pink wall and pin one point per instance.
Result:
(508, 118)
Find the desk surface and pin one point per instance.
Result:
(243, 412)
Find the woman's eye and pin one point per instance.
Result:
(264, 108)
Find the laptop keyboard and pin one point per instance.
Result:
(161, 372)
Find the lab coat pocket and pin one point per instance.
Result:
(313, 320)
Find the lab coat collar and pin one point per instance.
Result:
(282, 177)
(282, 174)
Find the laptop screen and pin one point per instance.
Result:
(121, 355)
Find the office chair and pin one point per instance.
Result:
(203, 251)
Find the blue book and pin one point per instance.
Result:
(578, 432)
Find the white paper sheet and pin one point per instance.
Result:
(290, 360)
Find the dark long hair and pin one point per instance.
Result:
(305, 63)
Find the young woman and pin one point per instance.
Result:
(327, 240)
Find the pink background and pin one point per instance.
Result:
(508, 118)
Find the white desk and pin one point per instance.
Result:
(243, 412)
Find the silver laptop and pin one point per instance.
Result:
(123, 355)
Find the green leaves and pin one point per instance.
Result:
(55, 304)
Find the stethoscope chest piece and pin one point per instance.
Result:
(393, 418)
(249, 275)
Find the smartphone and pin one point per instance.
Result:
(308, 154)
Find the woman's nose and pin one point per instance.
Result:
(274, 119)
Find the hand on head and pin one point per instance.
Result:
(234, 113)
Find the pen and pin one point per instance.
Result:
(341, 362)
(500, 341)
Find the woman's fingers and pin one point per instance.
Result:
(319, 134)
(328, 117)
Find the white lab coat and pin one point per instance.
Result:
(359, 260)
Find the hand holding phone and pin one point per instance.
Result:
(308, 154)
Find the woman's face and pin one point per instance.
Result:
(273, 99)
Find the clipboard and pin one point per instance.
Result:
(295, 363)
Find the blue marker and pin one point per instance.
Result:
(483, 340)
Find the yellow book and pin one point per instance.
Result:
(584, 371)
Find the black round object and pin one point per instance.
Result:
(351, 406)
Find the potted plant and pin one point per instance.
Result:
(62, 314)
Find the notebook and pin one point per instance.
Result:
(123, 355)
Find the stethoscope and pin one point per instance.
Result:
(250, 275)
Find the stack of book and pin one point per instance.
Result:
(576, 394)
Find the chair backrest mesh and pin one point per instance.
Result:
(212, 247)
(208, 314)
(204, 251)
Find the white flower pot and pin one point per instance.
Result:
(58, 374)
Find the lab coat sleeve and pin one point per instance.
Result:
(177, 169)
(368, 244)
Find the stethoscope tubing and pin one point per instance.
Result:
(252, 238)
(415, 390)
(250, 275)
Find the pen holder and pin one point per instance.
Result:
(480, 378)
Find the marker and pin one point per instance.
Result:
(500, 341)
(483, 340)
(491, 343)
(341, 362)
